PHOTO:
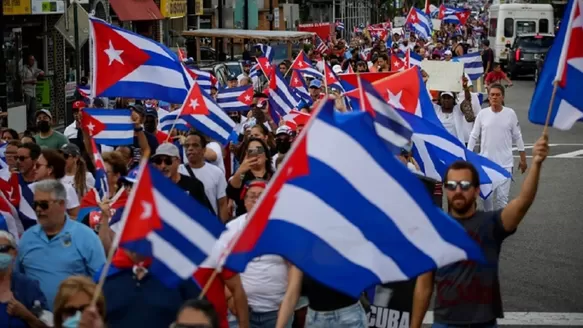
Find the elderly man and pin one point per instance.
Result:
(57, 247)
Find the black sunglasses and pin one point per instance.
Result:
(5, 248)
(464, 185)
(21, 158)
(70, 311)
(161, 159)
(43, 204)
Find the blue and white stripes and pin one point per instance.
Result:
(472, 64)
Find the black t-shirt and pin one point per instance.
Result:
(195, 188)
(322, 298)
(488, 57)
(469, 292)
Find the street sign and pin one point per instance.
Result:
(82, 25)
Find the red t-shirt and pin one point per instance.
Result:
(495, 77)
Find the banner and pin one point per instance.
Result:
(323, 30)
(391, 304)
(16, 7)
(173, 8)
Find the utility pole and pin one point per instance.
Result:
(220, 48)
(3, 95)
(77, 50)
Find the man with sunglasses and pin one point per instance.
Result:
(468, 293)
(26, 156)
(167, 160)
(57, 247)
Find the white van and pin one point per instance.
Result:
(506, 21)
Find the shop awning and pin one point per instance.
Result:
(136, 10)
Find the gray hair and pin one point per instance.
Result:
(55, 187)
(9, 237)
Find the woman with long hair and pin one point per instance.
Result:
(255, 164)
(73, 299)
(76, 173)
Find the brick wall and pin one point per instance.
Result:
(56, 64)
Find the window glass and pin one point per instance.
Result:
(525, 27)
(543, 25)
(508, 27)
(535, 42)
(493, 26)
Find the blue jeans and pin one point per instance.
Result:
(259, 320)
(352, 316)
(445, 325)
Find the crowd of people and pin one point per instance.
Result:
(53, 266)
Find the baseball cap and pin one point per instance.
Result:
(43, 111)
(337, 69)
(167, 149)
(131, 177)
(447, 53)
(261, 103)
(446, 93)
(284, 129)
(232, 77)
(138, 109)
(79, 104)
(316, 84)
(151, 111)
(71, 149)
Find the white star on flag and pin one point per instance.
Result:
(193, 103)
(90, 126)
(113, 54)
(395, 99)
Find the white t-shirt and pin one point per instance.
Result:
(89, 180)
(72, 200)
(497, 132)
(213, 145)
(213, 179)
(265, 277)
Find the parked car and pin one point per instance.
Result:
(525, 51)
(219, 70)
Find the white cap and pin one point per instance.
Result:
(337, 69)
(446, 93)
(447, 53)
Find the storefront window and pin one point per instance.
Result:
(12, 45)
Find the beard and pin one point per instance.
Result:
(463, 208)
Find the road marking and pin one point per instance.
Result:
(532, 319)
(570, 154)
(553, 157)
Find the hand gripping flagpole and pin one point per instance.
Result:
(114, 245)
(229, 248)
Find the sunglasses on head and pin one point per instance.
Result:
(452, 185)
(162, 159)
(5, 248)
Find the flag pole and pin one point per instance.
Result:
(550, 110)
(208, 284)
(114, 245)
(180, 113)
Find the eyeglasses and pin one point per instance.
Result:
(21, 158)
(162, 159)
(43, 204)
(5, 248)
(464, 185)
(69, 311)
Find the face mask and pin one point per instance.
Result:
(5, 261)
(150, 126)
(72, 322)
(283, 146)
(43, 126)
(236, 119)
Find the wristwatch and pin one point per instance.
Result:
(140, 129)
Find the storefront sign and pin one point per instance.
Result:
(43, 94)
(16, 7)
(323, 30)
(173, 8)
(46, 7)
(198, 7)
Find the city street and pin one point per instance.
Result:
(542, 264)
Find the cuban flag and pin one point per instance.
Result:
(91, 200)
(101, 184)
(168, 120)
(204, 114)
(420, 23)
(417, 237)
(299, 87)
(563, 66)
(9, 218)
(413, 59)
(280, 97)
(84, 91)
(331, 78)
(166, 224)
(17, 192)
(205, 80)
(109, 127)
(304, 65)
(126, 64)
(4, 169)
(473, 66)
(339, 26)
(266, 51)
(235, 99)
(457, 16)
(435, 149)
